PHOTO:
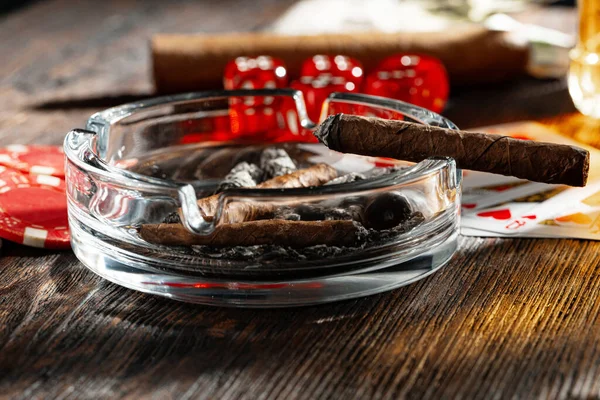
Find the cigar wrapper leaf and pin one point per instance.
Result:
(525, 159)
(251, 233)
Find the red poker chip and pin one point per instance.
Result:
(36, 160)
(33, 209)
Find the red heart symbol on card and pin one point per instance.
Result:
(529, 216)
(496, 214)
(469, 205)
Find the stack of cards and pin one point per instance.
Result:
(500, 206)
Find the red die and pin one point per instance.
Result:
(416, 79)
(250, 114)
(322, 75)
(262, 72)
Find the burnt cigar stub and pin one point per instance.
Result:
(526, 159)
(251, 233)
(238, 211)
(315, 175)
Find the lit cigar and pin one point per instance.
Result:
(251, 233)
(526, 159)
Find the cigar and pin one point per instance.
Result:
(251, 233)
(526, 159)
(471, 54)
(238, 211)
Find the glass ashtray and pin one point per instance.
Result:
(140, 175)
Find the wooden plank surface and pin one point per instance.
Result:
(505, 318)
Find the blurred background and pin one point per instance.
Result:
(67, 59)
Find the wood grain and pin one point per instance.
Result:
(505, 319)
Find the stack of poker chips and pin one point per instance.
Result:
(33, 203)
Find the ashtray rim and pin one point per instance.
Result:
(115, 114)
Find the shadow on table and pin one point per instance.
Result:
(525, 99)
(101, 101)
(467, 107)
(12, 249)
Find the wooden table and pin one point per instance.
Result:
(506, 318)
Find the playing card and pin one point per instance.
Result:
(475, 179)
(568, 201)
(488, 196)
(510, 217)
(561, 212)
(580, 219)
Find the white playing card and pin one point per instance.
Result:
(488, 196)
(498, 218)
(580, 219)
(567, 202)
(527, 214)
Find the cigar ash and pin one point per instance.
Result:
(276, 162)
(242, 175)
